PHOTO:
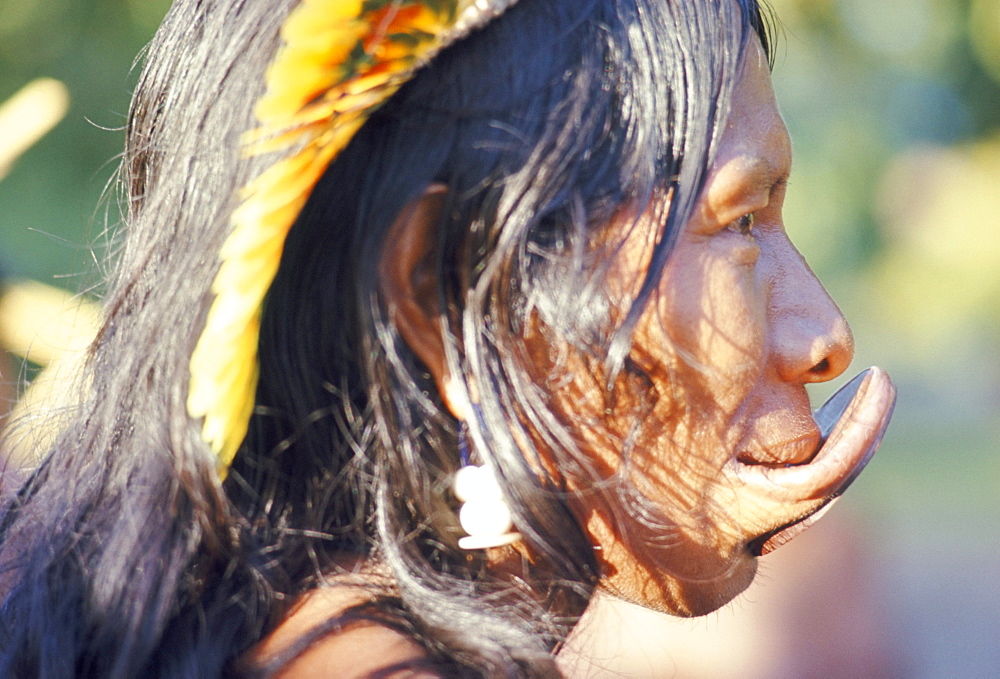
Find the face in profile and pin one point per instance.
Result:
(726, 461)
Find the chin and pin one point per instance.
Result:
(688, 595)
(705, 596)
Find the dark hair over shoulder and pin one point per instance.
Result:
(124, 556)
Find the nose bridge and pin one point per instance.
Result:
(810, 338)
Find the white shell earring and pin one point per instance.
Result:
(484, 514)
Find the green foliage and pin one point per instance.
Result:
(49, 204)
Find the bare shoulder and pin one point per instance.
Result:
(361, 650)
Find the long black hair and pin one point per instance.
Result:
(123, 555)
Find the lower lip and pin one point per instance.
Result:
(828, 417)
(769, 542)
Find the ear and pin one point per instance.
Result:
(408, 282)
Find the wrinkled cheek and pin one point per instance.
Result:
(680, 444)
(680, 450)
(675, 462)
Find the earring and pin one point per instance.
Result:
(484, 514)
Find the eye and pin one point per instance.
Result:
(743, 225)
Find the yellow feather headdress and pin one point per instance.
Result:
(340, 61)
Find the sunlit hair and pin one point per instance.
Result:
(550, 129)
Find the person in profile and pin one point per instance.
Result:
(431, 318)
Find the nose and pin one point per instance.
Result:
(810, 338)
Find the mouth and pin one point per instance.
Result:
(852, 423)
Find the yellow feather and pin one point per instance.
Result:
(317, 98)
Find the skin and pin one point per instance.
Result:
(353, 653)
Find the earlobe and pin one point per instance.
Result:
(408, 281)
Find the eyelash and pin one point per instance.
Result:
(744, 225)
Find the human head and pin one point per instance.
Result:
(530, 171)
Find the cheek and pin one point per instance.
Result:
(703, 344)
(713, 310)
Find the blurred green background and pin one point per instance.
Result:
(894, 107)
(49, 203)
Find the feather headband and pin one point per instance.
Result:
(340, 61)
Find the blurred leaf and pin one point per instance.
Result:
(984, 29)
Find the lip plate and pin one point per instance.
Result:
(828, 417)
(831, 421)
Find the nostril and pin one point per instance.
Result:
(821, 368)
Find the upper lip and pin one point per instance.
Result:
(796, 450)
(782, 431)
